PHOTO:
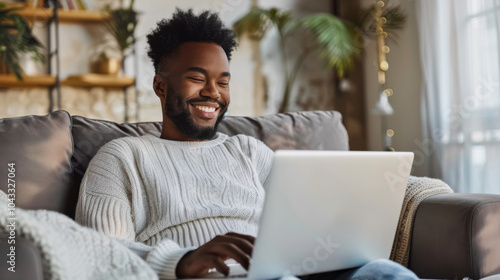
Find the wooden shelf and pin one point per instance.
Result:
(98, 80)
(8, 81)
(75, 16)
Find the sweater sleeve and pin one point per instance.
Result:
(105, 204)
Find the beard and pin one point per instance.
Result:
(178, 111)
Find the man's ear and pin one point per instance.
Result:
(160, 86)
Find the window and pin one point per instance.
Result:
(463, 97)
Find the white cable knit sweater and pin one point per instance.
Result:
(162, 198)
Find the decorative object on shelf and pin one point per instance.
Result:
(16, 37)
(377, 22)
(107, 65)
(121, 25)
(334, 40)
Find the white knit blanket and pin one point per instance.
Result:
(71, 251)
(418, 189)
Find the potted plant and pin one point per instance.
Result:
(107, 65)
(333, 39)
(122, 26)
(337, 42)
(15, 38)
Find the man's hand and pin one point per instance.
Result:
(213, 254)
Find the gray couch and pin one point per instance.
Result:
(454, 235)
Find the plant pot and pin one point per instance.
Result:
(108, 66)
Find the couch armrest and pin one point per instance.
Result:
(28, 260)
(456, 235)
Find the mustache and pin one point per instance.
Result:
(207, 99)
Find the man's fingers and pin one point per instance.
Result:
(249, 238)
(233, 245)
(243, 243)
(221, 266)
(199, 264)
(212, 255)
(231, 251)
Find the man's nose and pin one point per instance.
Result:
(210, 90)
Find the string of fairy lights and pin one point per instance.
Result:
(383, 66)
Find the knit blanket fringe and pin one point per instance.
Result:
(418, 189)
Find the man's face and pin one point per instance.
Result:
(196, 91)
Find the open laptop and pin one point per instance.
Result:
(326, 211)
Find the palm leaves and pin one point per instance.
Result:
(336, 40)
(16, 37)
(333, 39)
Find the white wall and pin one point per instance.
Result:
(404, 77)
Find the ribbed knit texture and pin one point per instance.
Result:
(418, 189)
(164, 198)
(70, 251)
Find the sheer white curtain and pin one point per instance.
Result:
(460, 56)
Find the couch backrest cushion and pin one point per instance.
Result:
(52, 152)
(313, 130)
(41, 148)
(89, 135)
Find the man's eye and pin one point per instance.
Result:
(196, 79)
(224, 84)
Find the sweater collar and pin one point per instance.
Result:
(216, 140)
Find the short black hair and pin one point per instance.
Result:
(188, 27)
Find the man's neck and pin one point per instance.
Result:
(178, 137)
(170, 132)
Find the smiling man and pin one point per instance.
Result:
(192, 198)
(194, 91)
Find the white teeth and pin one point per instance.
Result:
(206, 109)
